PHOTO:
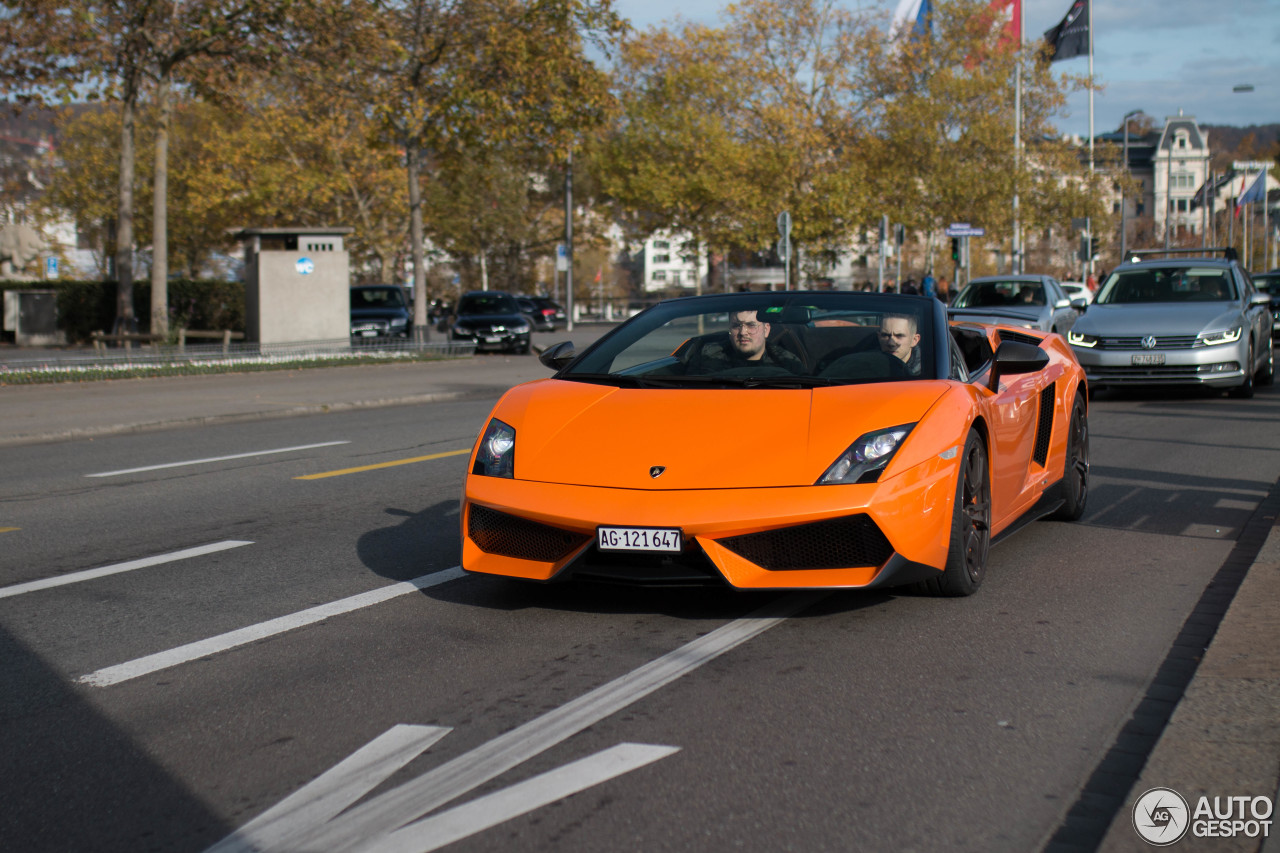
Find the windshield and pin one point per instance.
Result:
(487, 303)
(1000, 294)
(377, 297)
(767, 340)
(1167, 284)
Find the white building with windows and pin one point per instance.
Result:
(668, 264)
(1179, 167)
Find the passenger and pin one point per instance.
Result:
(899, 338)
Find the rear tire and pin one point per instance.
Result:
(970, 525)
(1075, 470)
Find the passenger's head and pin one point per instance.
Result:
(898, 335)
(747, 334)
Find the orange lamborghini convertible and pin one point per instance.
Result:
(780, 440)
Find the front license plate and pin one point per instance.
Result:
(1148, 358)
(662, 540)
(368, 333)
(492, 339)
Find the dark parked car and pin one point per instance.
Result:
(493, 320)
(380, 311)
(540, 321)
(551, 310)
(1269, 283)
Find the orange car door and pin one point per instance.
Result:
(1014, 413)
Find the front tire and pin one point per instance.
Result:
(1267, 375)
(1075, 471)
(1244, 390)
(970, 525)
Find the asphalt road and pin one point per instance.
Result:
(166, 706)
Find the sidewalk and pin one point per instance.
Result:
(31, 413)
(1222, 736)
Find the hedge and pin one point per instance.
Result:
(85, 307)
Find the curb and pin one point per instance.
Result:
(242, 417)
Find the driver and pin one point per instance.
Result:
(748, 345)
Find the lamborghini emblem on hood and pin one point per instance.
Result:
(656, 471)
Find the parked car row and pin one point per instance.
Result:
(493, 319)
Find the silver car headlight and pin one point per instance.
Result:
(497, 454)
(520, 329)
(866, 457)
(1230, 336)
(1079, 339)
(461, 331)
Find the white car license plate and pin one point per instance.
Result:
(662, 540)
(368, 333)
(492, 339)
(1148, 358)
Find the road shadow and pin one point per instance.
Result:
(70, 779)
(413, 544)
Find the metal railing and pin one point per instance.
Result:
(46, 366)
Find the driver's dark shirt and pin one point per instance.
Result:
(716, 356)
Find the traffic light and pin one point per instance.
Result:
(1086, 248)
(955, 249)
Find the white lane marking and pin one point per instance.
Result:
(221, 643)
(217, 459)
(366, 823)
(335, 789)
(492, 809)
(90, 574)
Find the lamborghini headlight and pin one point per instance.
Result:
(497, 454)
(1214, 338)
(1078, 339)
(866, 457)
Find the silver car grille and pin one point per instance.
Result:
(1134, 342)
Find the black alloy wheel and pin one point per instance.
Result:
(970, 525)
(1245, 389)
(1075, 472)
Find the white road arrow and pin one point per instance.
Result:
(322, 799)
(459, 822)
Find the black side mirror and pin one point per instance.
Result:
(1015, 357)
(557, 356)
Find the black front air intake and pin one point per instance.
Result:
(837, 543)
(506, 535)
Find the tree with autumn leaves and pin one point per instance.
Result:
(803, 106)
(450, 120)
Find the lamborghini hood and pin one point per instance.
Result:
(660, 439)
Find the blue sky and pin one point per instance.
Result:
(1158, 56)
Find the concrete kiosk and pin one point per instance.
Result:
(297, 285)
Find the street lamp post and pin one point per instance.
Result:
(1124, 231)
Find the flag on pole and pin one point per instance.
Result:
(1070, 38)
(1257, 190)
(1240, 197)
(1002, 16)
(911, 17)
(1010, 13)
